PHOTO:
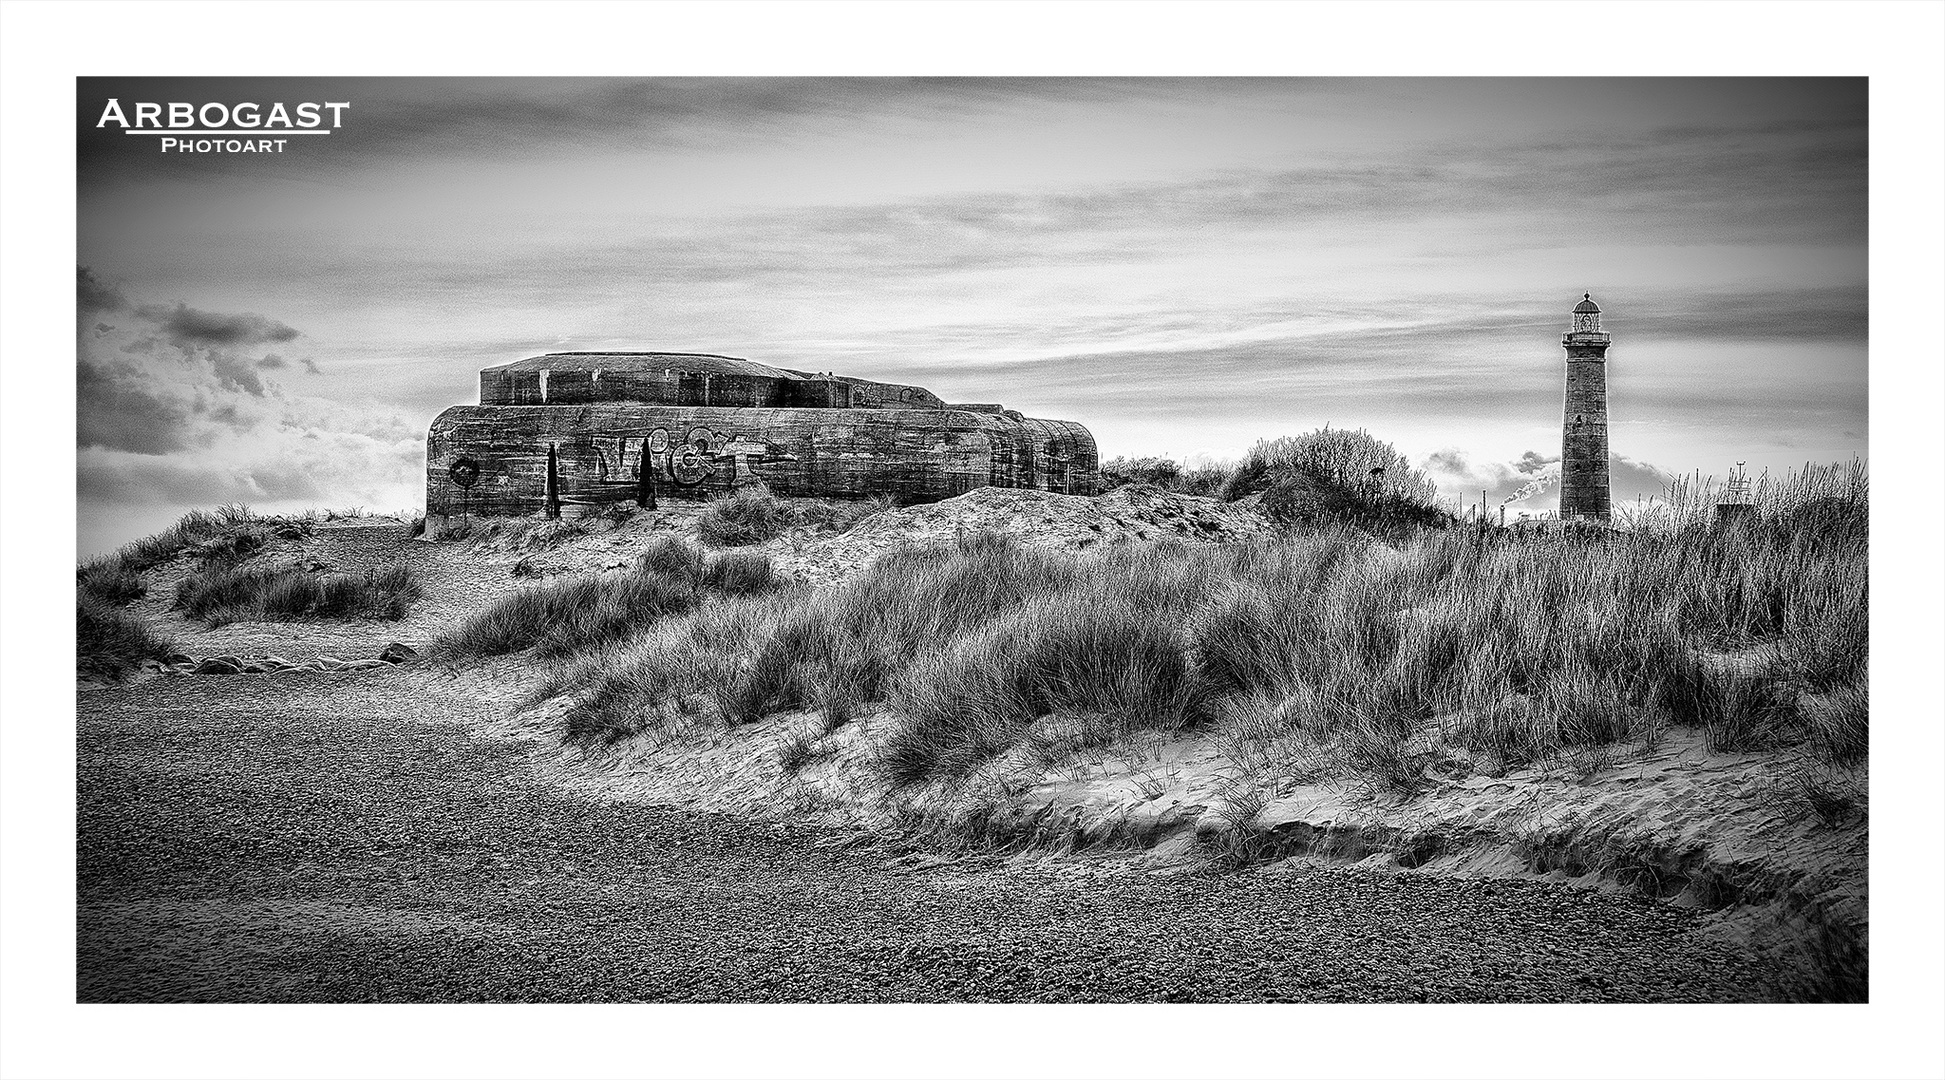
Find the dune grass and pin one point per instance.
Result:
(582, 613)
(752, 514)
(110, 642)
(748, 515)
(230, 592)
(1325, 648)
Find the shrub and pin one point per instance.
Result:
(1208, 480)
(748, 515)
(1121, 471)
(1303, 497)
(109, 642)
(1351, 461)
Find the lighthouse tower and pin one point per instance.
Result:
(1583, 443)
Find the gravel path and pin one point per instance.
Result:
(338, 837)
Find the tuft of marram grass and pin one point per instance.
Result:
(110, 581)
(674, 557)
(740, 573)
(748, 515)
(110, 642)
(227, 592)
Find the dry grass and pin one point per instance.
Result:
(587, 613)
(748, 515)
(228, 592)
(110, 642)
(752, 514)
(740, 573)
(1324, 649)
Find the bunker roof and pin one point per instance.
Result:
(703, 363)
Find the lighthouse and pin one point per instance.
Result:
(1583, 441)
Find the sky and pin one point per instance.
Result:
(1183, 265)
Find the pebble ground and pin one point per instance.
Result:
(339, 837)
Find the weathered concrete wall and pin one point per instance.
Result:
(685, 379)
(1583, 449)
(500, 386)
(699, 451)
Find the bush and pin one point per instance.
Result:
(109, 642)
(748, 515)
(1302, 497)
(1206, 480)
(1121, 471)
(1350, 460)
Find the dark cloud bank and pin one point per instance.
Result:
(176, 405)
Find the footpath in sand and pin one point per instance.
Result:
(1689, 828)
(344, 837)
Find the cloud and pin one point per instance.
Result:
(310, 365)
(183, 416)
(235, 373)
(1527, 484)
(95, 295)
(118, 410)
(1629, 479)
(188, 327)
(1532, 462)
(316, 467)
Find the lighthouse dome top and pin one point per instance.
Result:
(1587, 305)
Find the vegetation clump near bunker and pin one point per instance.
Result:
(567, 433)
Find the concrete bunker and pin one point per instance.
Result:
(697, 425)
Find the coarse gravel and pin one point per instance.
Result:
(340, 837)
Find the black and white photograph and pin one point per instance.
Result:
(638, 536)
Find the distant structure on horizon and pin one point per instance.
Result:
(1583, 442)
(586, 430)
